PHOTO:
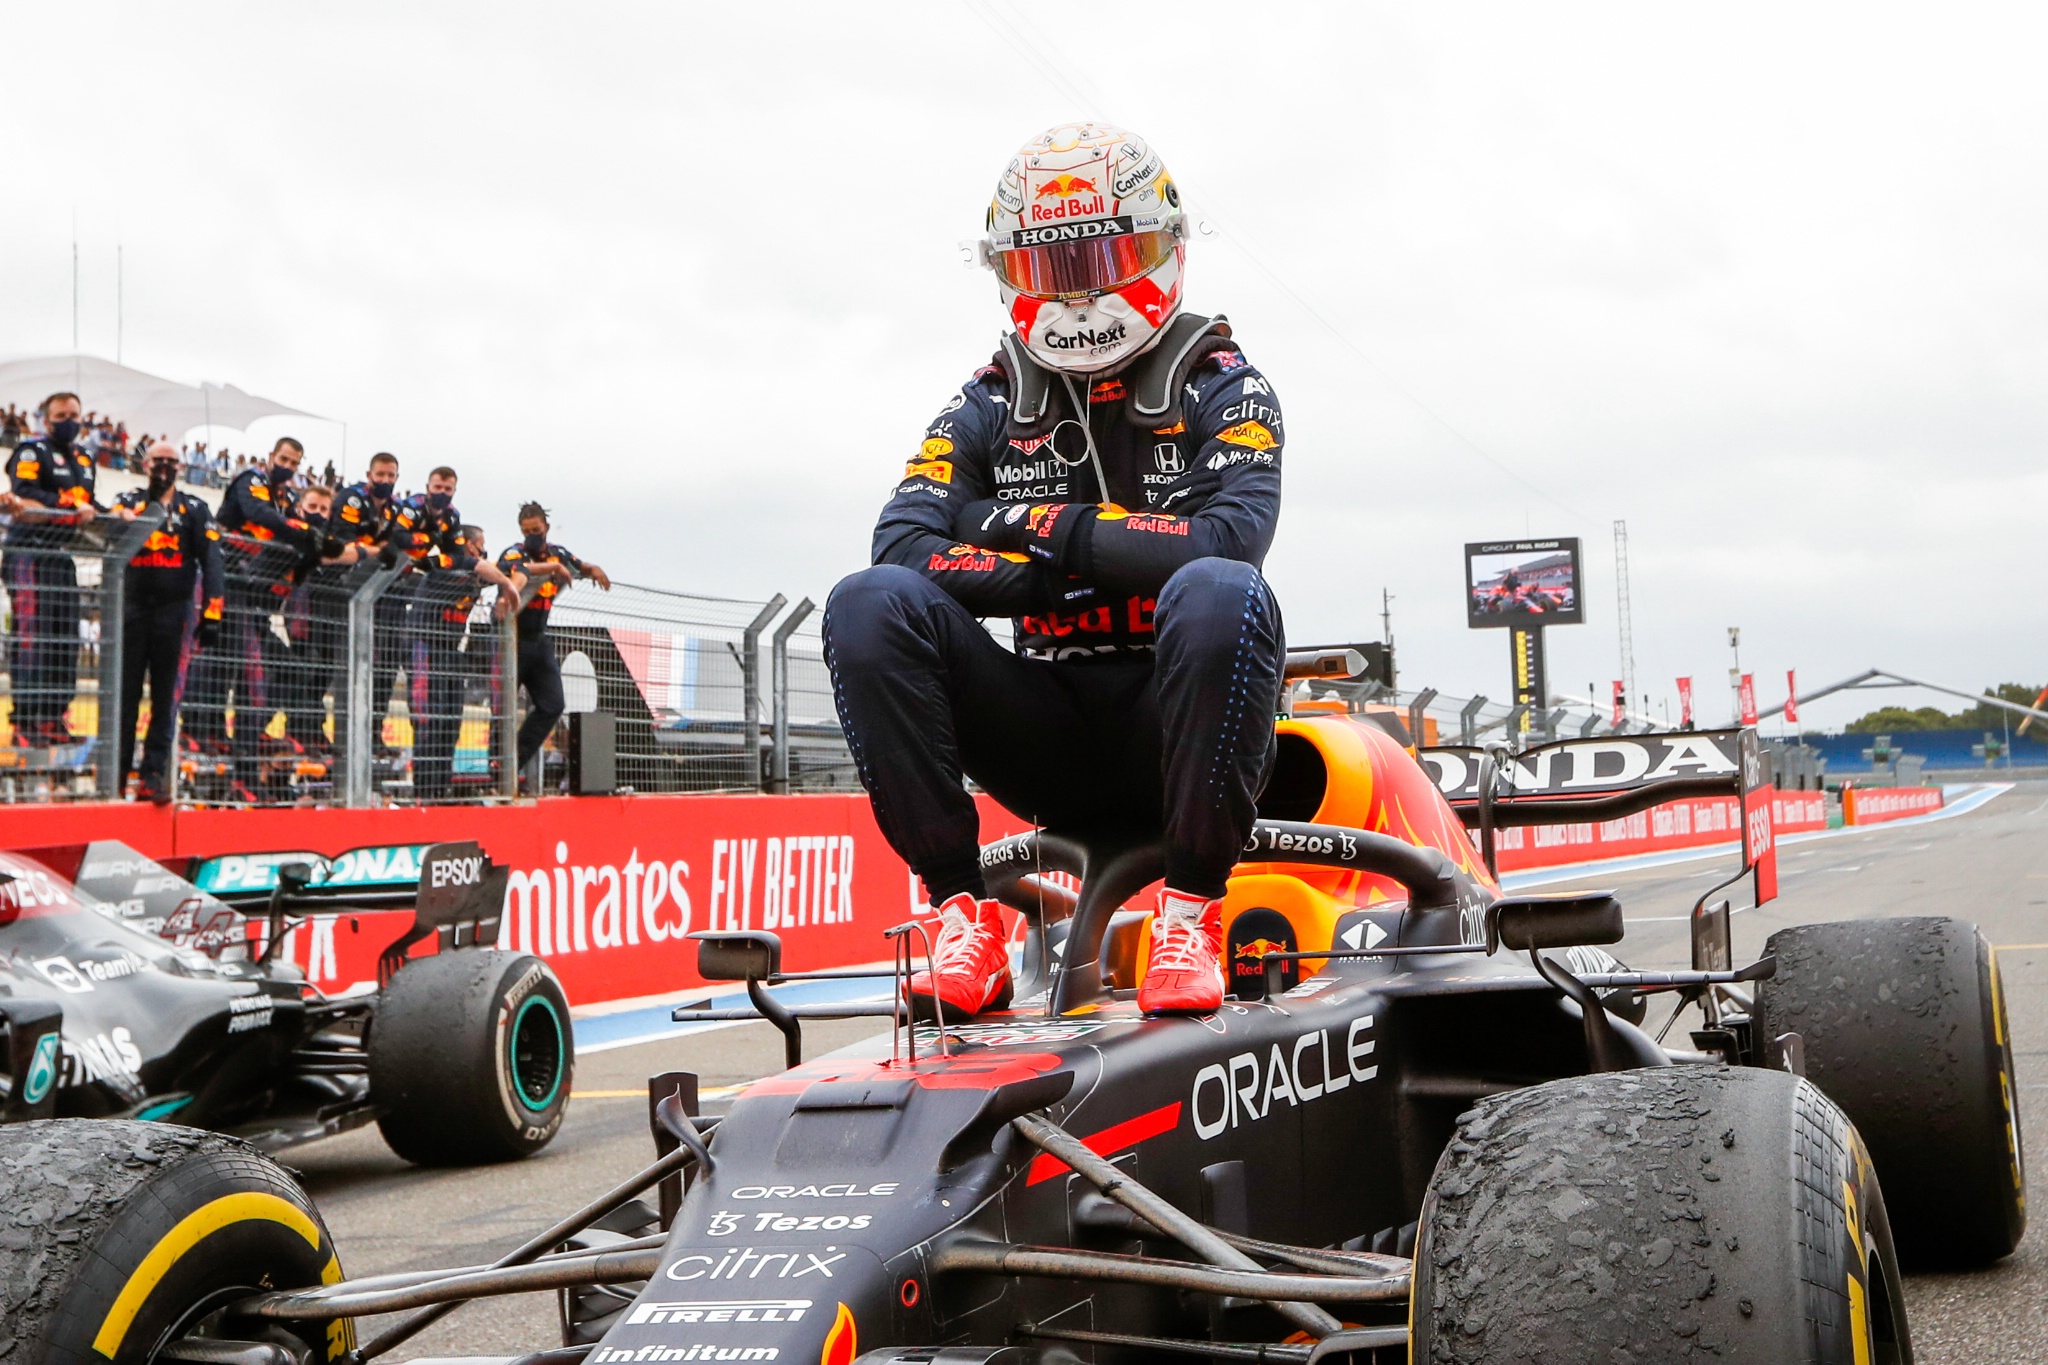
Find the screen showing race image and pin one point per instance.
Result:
(1523, 583)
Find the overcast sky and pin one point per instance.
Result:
(1768, 282)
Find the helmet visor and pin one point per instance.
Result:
(1093, 266)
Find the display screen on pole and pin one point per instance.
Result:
(1523, 583)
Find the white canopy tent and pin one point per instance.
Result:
(146, 402)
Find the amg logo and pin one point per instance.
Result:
(1073, 232)
(616, 1355)
(721, 1310)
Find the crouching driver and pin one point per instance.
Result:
(1111, 480)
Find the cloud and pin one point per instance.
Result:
(1766, 284)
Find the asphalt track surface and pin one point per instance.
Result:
(1990, 865)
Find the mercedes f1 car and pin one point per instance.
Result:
(1431, 1124)
(128, 991)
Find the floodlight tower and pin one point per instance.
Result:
(1621, 614)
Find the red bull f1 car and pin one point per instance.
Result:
(1433, 1122)
(130, 991)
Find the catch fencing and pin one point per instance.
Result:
(372, 684)
(696, 706)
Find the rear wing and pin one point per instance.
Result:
(461, 899)
(455, 891)
(374, 877)
(1581, 780)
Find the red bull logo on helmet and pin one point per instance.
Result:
(1072, 196)
(1066, 186)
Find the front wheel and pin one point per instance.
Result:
(1657, 1214)
(471, 1057)
(1902, 1022)
(118, 1238)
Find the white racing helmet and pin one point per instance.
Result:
(1086, 238)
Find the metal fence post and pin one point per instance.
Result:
(1468, 720)
(508, 705)
(110, 771)
(779, 654)
(1418, 711)
(750, 695)
(362, 659)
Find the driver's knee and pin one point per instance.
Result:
(1220, 607)
(875, 609)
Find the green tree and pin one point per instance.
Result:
(1993, 718)
(1899, 720)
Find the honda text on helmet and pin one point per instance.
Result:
(1086, 238)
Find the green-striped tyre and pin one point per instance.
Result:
(471, 1057)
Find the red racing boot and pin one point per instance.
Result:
(1185, 973)
(971, 959)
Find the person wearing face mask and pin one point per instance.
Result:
(50, 495)
(159, 607)
(542, 570)
(367, 513)
(316, 623)
(428, 531)
(265, 542)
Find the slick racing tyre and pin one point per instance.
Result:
(118, 1237)
(1648, 1215)
(471, 1057)
(1902, 1022)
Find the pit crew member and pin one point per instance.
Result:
(1110, 480)
(158, 607)
(50, 486)
(368, 514)
(542, 570)
(428, 530)
(316, 620)
(266, 542)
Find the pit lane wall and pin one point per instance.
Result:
(1696, 823)
(606, 888)
(1876, 805)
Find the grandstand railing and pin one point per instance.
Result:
(367, 684)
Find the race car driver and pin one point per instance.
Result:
(157, 608)
(1111, 480)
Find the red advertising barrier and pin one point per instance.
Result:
(605, 888)
(1875, 805)
(1695, 823)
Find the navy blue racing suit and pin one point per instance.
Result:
(266, 542)
(1141, 695)
(438, 616)
(174, 578)
(539, 673)
(42, 585)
